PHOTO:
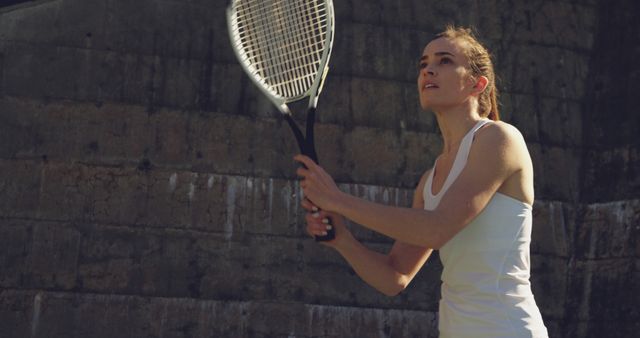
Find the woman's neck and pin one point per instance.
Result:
(454, 124)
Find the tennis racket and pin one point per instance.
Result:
(284, 46)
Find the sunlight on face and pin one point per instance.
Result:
(444, 78)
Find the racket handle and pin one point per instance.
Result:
(307, 147)
(331, 234)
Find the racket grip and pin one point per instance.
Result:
(331, 234)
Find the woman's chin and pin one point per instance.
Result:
(429, 105)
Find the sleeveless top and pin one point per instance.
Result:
(485, 281)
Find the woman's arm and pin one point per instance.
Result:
(389, 274)
(495, 155)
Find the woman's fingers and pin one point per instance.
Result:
(317, 229)
(315, 217)
(302, 172)
(307, 205)
(317, 223)
(307, 161)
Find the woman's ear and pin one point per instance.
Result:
(481, 84)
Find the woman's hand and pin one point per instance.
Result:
(318, 224)
(317, 185)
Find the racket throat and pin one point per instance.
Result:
(313, 103)
(284, 109)
(306, 144)
(310, 146)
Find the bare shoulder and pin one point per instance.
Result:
(500, 132)
(505, 142)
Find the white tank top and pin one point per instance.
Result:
(485, 280)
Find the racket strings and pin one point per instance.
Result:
(267, 13)
(261, 14)
(306, 64)
(246, 37)
(283, 41)
(306, 60)
(288, 54)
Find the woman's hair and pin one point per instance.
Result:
(481, 65)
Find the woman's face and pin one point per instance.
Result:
(444, 79)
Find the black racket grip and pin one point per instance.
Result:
(307, 147)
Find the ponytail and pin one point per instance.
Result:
(493, 107)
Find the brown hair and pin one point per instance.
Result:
(481, 65)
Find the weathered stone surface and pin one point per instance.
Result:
(173, 28)
(554, 229)
(555, 172)
(53, 257)
(609, 231)
(116, 135)
(549, 285)
(71, 192)
(528, 74)
(94, 315)
(177, 263)
(103, 75)
(611, 118)
(562, 23)
(368, 56)
(595, 290)
(14, 240)
(568, 24)
(172, 199)
(19, 182)
(611, 172)
(16, 311)
(549, 121)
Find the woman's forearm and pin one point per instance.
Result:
(413, 226)
(373, 267)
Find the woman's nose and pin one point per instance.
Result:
(428, 70)
(432, 68)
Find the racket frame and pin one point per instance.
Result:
(278, 100)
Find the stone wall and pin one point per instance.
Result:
(148, 190)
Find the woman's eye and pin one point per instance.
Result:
(445, 61)
(422, 65)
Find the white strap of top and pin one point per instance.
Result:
(461, 158)
(465, 145)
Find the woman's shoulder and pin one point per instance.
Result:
(500, 132)
(505, 142)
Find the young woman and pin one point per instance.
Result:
(474, 205)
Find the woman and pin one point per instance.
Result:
(474, 205)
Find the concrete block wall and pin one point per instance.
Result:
(148, 190)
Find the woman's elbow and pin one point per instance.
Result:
(437, 245)
(392, 292)
(397, 287)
